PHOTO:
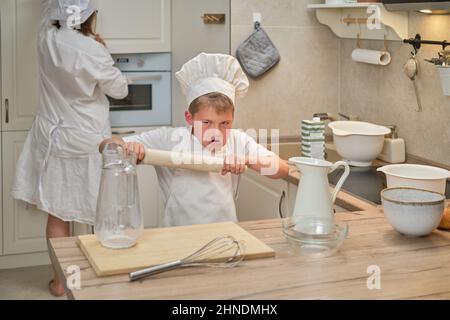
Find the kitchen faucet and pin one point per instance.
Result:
(328, 116)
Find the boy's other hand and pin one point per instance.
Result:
(235, 165)
(137, 148)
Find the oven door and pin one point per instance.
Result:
(148, 102)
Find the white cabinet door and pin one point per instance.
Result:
(292, 195)
(190, 36)
(23, 225)
(80, 229)
(135, 26)
(152, 203)
(19, 62)
(1, 209)
(261, 198)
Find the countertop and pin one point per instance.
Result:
(411, 268)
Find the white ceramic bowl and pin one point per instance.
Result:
(413, 212)
(416, 176)
(359, 143)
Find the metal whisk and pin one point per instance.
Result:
(209, 256)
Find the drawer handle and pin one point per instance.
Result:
(7, 110)
(117, 133)
(280, 204)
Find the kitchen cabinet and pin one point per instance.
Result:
(135, 26)
(261, 198)
(19, 62)
(191, 36)
(292, 196)
(1, 201)
(23, 225)
(150, 194)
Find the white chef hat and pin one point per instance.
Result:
(60, 10)
(209, 73)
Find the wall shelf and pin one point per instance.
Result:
(349, 19)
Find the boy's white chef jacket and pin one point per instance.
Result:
(197, 197)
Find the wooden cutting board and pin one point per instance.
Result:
(164, 245)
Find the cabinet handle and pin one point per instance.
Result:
(117, 133)
(7, 110)
(280, 204)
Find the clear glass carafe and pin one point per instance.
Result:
(119, 222)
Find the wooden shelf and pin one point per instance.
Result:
(349, 19)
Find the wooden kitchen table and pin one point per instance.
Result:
(411, 268)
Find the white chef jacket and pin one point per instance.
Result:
(197, 197)
(60, 166)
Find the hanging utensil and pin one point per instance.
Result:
(411, 69)
(211, 252)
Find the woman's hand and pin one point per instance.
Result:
(136, 148)
(235, 165)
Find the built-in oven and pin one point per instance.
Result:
(149, 99)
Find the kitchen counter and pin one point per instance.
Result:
(411, 268)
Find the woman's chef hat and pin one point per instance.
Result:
(62, 10)
(209, 73)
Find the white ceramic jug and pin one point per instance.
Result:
(314, 197)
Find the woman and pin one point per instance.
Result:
(59, 168)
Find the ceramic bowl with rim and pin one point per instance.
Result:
(416, 176)
(313, 237)
(413, 212)
(357, 142)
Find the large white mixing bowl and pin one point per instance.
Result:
(358, 143)
(416, 176)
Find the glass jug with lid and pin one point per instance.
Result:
(119, 222)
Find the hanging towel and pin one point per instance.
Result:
(257, 54)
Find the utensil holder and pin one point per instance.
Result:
(444, 73)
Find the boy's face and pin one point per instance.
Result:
(210, 127)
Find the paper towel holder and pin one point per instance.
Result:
(358, 43)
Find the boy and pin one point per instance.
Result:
(211, 83)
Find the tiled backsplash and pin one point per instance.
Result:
(304, 82)
(316, 74)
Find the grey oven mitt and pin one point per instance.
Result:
(257, 54)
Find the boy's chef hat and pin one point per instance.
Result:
(60, 9)
(209, 73)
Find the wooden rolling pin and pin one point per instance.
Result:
(183, 161)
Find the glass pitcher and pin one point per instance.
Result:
(119, 222)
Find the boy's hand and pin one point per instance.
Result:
(235, 165)
(137, 148)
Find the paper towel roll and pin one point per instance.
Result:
(371, 56)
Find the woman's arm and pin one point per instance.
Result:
(46, 13)
(98, 64)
